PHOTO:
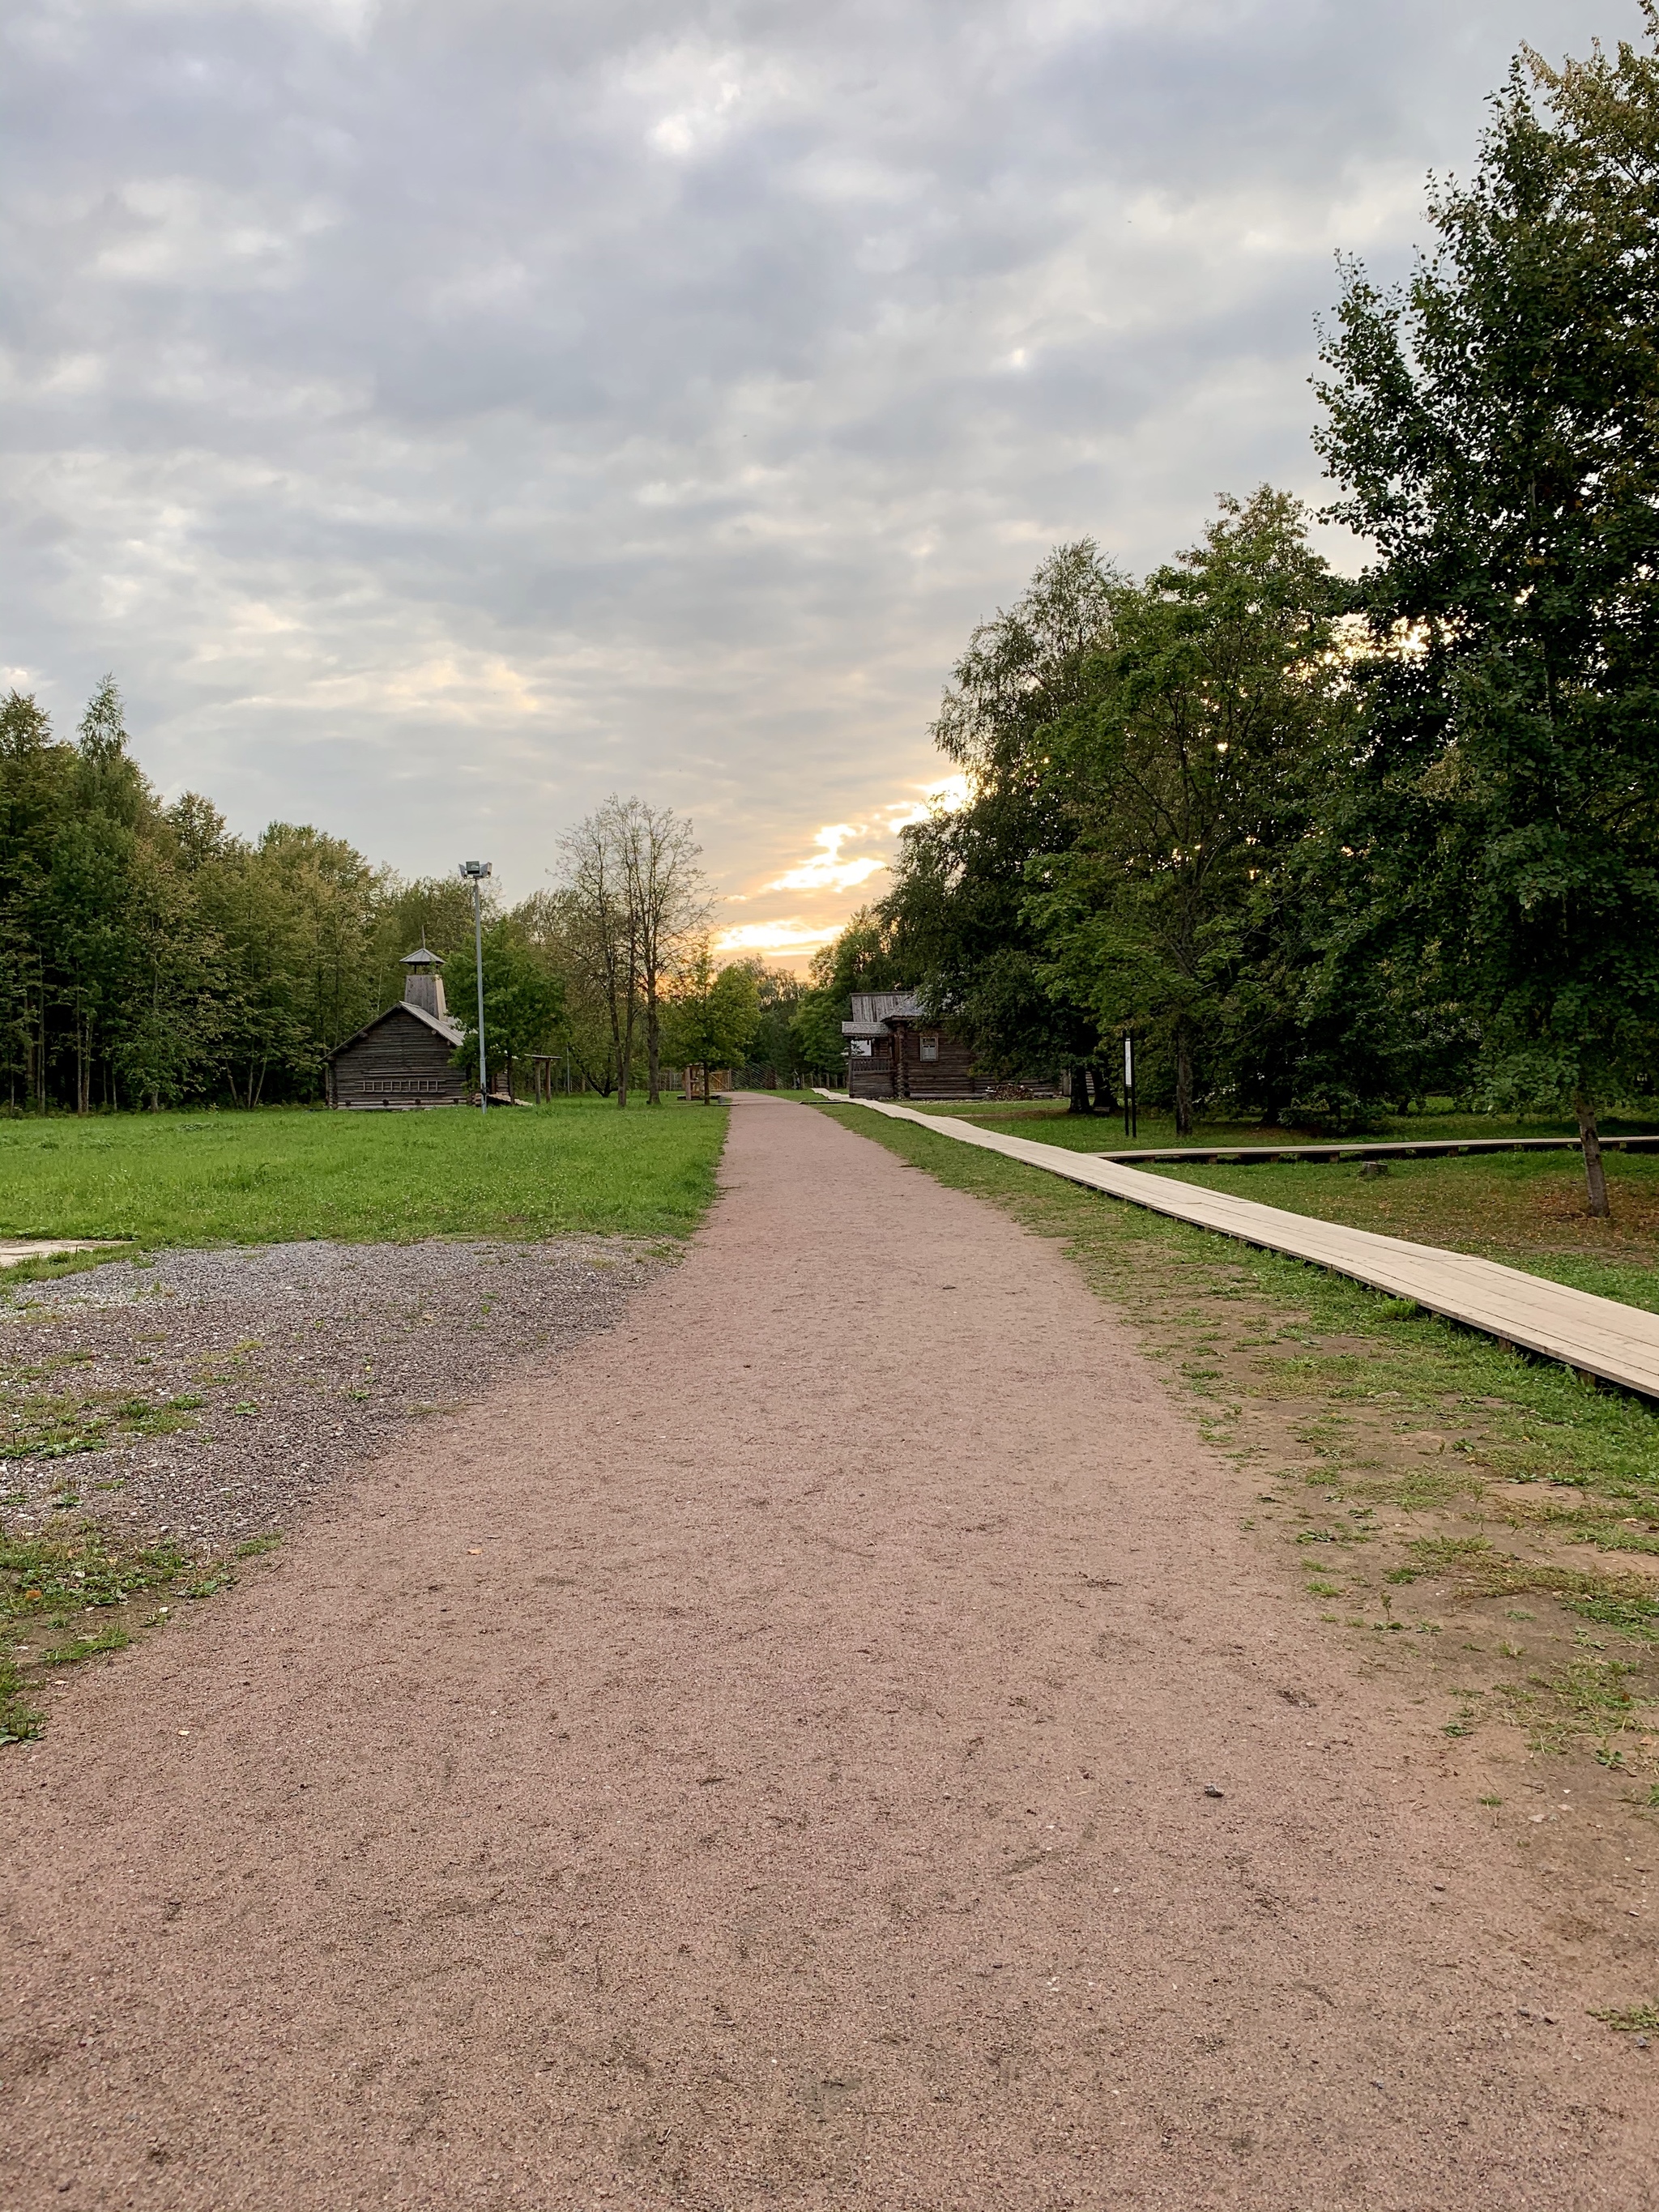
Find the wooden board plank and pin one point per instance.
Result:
(1596, 1336)
(1424, 1148)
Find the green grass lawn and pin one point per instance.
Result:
(271, 1177)
(1526, 1209)
(1048, 1122)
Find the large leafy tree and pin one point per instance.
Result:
(956, 914)
(714, 1014)
(37, 775)
(524, 1002)
(1494, 428)
(1182, 770)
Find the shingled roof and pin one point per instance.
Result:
(441, 1025)
(873, 1010)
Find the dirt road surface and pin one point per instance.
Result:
(768, 1763)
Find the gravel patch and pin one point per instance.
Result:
(212, 1396)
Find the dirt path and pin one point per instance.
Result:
(791, 1794)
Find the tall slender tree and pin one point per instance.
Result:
(599, 885)
(669, 900)
(1494, 428)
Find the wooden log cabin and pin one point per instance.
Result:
(896, 1049)
(405, 1057)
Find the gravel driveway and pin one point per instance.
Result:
(210, 1395)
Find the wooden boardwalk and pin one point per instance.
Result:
(1595, 1336)
(1422, 1148)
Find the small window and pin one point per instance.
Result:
(929, 1044)
(860, 1046)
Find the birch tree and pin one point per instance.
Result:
(668, 895)
(599, 887)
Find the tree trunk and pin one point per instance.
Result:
(1080, 1101)
(625, 1064)
(1596, 1175)
(1183, 1098)
(705, 1083)
(1104, 1102)
(653, 1044)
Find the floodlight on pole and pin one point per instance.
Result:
(474, 872)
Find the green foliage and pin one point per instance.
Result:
(1206, 719)
(524, 1000)
(861, 958)
(1324, 848)
(1495, 430)
(47, 1577)
(20, 1721)
(957, 924)
(712, 1015)
(148, 956)
(775, 1043)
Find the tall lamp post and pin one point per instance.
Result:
(475, 872)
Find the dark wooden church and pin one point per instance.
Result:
(405, 1056)
(896, 1049)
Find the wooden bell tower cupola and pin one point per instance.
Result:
(423, 987)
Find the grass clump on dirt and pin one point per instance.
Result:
(56, 1424)
(47, 1582)
(285, 1175)
(1476, 1570)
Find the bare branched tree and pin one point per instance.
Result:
(635, 895)
(670, 899)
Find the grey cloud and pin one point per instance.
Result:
(438, 414)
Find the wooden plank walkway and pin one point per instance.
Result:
(1594, 1336)
(1423, 1148)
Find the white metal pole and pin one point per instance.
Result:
(477, 948)
(1131, 1103)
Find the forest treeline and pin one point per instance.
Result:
(151, 957)
(1325, 844)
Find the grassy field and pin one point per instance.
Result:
(1525, 1209)
(1482, 1526)
(1049, 1123)
(270, 1178)
(1528, 1210)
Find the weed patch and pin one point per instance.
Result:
(49, 1583)
(1481, 1571)
(20, 1721)
(86, 1647)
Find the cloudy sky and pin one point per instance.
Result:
(440, 413)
